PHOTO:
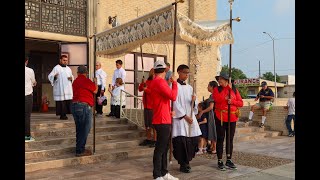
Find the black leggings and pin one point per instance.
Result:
(222, 131)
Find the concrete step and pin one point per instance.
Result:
(70, 159)
(56, 150)
(71, 140)
(54, 124)
(249, 136)
(60, 132)
(248, 129)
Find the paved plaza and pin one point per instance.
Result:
(268, 151)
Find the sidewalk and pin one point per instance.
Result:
(274, 157)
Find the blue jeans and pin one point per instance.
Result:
(82, 115)
(288, 122)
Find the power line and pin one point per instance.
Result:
(246, 49)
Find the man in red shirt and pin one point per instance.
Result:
(221, 100)
(147, 111)
(161, 94)
(82, 102)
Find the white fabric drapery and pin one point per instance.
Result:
(158, 27)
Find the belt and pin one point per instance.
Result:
(80, 102)
(222, 111)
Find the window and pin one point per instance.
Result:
(134, 70)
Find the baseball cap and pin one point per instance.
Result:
(263, 83)
(82, 69)
(159, 65)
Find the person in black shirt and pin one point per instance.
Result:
(265, 96)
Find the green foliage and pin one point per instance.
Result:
(269, 76)
(235, 73)
(243, 90)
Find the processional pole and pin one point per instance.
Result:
(175, 4)
(230, 83)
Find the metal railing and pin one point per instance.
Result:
(133, 109)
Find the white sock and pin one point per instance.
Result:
(263, 119)
(250, 115)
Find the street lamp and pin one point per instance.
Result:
(274, 65)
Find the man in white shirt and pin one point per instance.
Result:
(101, 82)
(61, 79)
(185, 127)
(118, 73)
(30, 82)
(291, 114)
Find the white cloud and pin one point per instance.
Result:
(284, 6)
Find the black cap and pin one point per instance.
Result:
(224, 75)
(263, 83)
(82, 69)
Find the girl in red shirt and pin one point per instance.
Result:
(221, 99)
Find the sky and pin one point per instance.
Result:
(251, 45)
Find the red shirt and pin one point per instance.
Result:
(161, 94)
(222, 104)
(147, 100)
(83, 90)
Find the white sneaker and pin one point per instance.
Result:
(159, 178)
(169, 177)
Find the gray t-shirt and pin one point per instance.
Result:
(168, 75)
(291, 106)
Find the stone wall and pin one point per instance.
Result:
(275, 118)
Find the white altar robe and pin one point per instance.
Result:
(182, 106)
(62, 87)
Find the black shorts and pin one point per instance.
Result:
(148, 114)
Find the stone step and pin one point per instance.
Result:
(249, 136)
(60, 132)
(71, 160)
(101, 136)
(55, 150)
(54, 124)
(248, 129)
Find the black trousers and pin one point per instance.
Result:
(99, 107)
(63, 107)
(115, 110)
(184, 149)
(160, 161)
(28, 100)
(222, 132)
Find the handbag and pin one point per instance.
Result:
(102, 100)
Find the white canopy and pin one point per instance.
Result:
(158, 27)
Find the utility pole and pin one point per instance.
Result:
(259, 70)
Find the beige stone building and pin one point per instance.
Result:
(54, 27)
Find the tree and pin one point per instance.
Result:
(269, 76)
(235, 73)
(243, 90)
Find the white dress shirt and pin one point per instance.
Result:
(101, 78)
(118, 73)
(29, 81)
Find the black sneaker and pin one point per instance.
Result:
(184, 169)
(261, 125)
(221, 165)
(230, 164)
(152, 144)
(63, 117)
(145, 142)
(291, 135)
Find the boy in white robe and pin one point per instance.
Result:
(61, 79)
(185, 127)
